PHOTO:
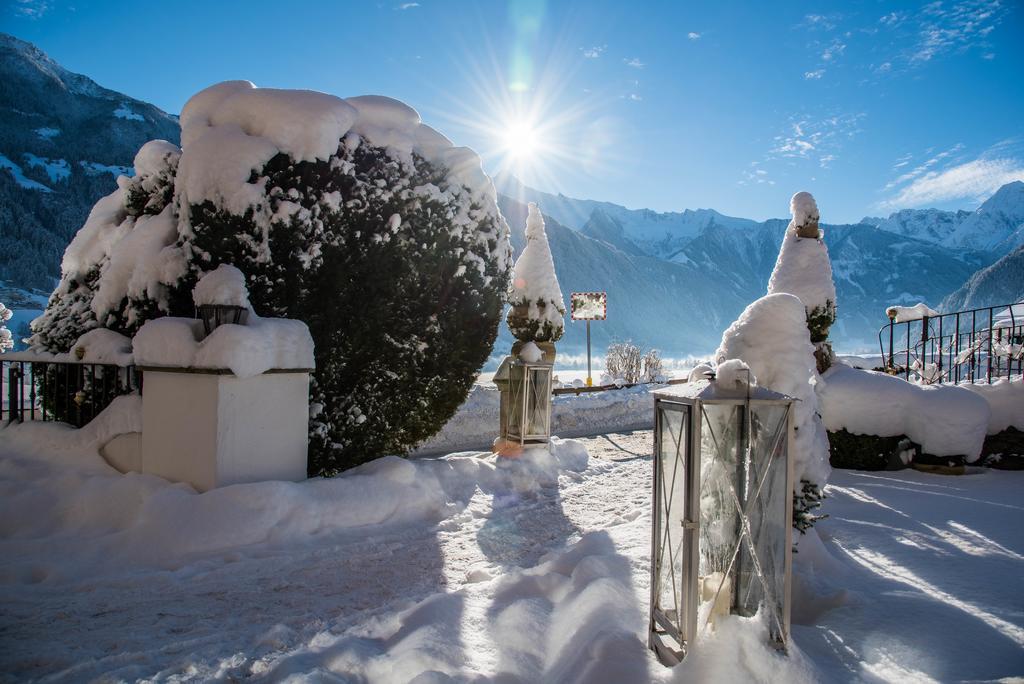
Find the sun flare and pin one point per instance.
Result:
(520, 140)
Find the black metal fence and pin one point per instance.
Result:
(67, 391)
(964, 346)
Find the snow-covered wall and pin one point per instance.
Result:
(476, 424)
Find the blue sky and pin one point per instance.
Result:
(872, 106)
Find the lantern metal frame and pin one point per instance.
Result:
(216, 315)
(517, 380)
(671, 630)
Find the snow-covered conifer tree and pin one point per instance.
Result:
(804, 269)
(538, 312)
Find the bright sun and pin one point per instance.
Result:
(520, 140)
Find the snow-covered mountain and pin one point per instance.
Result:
(681, 304)
(63, 142)
(931, 225)
(995, 285)
(675, 280)
(997, 226)
(659, 234)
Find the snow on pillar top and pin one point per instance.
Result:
(535, 286)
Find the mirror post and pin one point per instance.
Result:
(590, 380)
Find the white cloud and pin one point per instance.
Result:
(635, 98)
(893, 19)
(921, 168)
(974, 180)
(954, 27)
(634, 62)
(820, 21)
(755, 177)
(32, 9)
(408, 5)
(594, 52)
(693, 35)
(814, 75)
(834, 50)
(817, 140)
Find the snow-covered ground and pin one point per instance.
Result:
(458, 569)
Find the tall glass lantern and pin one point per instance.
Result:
(525, 400)
(723, 513)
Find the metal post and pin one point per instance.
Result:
(989, 364)
(892, 324)
(590, 380)
(956, 378)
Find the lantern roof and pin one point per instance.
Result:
(709, 391)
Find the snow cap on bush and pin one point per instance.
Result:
(538, 312)
(803, 268)
(805, 213)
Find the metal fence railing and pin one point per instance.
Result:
(68, 391)
(962, 346)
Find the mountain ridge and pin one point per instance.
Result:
(675, 279)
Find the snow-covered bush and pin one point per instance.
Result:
(6, 339)
(771, 338)
(349, 215)
(804, 269)
(623, 360)
(538, 312)
(654, 369)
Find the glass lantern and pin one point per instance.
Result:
(525, 400)
(216, 315)
(723, 513)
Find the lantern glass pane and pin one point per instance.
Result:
(538, 411)
(516, 386)
(719, 520)
(764, 582)
(672, 460)
(742, 548)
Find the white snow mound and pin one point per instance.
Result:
(100, 345)
(902, 314)
(225, 285)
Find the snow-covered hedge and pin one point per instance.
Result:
(347, 214)
(945, 420)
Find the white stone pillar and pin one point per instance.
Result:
(210, 428)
